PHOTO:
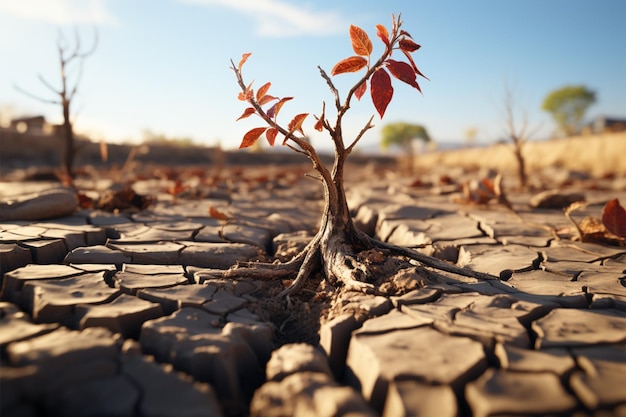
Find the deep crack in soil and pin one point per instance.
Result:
(297, 317)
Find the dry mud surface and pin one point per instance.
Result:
(118, 314)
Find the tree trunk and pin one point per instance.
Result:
(521, 165)
(340, 242)
(68, 134)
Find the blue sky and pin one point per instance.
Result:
(163, 65)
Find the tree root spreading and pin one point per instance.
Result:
(341, 262)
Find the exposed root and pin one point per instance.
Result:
(429, 260)
(337, 258)
(310, 264)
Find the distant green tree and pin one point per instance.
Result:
(568, 106)
(404, 135)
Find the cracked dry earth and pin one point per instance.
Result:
(115, 314)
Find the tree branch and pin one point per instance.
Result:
(367, 127)
(332, 87)
(31, 95)
(48, 85)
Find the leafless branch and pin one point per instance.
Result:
(367, 127)
(31, 95)
(332, 87)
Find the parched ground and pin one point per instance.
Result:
(118, 313)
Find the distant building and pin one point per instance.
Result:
(603, 124)
(32, 124)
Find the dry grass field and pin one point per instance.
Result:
(598, 155)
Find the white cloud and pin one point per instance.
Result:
(277, 18)
(59, 11)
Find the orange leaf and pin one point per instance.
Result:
(296, 123)
(273, 111)
(247, 113)
(360, 90)
(251, 137)
(352, 64)
(216, 214)
(360, 41)
(488, 185)
(403, 72)
(614, 218)
(244, 58)
(262, 91)
(408, 45)
(381, 90)
(266, 99)
(319, 125)
(383, 34)
(270, 135)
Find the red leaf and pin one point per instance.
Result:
(216, 214)
(417, 71)
(360, 90)
(614, 218)
(381, 90)
(273, 111)
(251, 137)
(266, 99)
(403, 72)
(405, 33)
(319, 125)
(352, 64)
(247, 113)
(360, 41)
(296, 123)
(262, 91)
(244, 58)
(383, 34)
(408, 45)
(270, 135)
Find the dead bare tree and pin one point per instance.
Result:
(69, 59)
(517, 130)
